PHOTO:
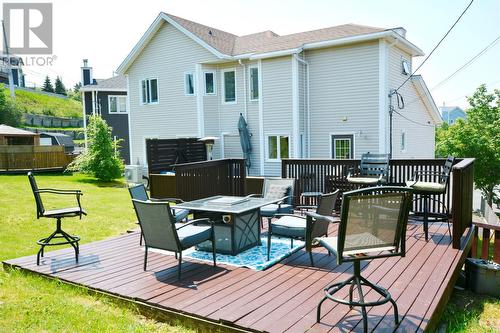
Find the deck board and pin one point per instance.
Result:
(282, 298)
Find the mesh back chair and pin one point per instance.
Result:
(373, 170)
(429, 185)
(57, 214)
(139, 193)
(304, 227)
(277, 188)
(373, 225)
(160, 231)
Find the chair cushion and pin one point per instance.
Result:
(289, 226)
(272, 209)
(329, 243)
(180, 214)
(68, 212)
(426, 187)
(193, 234)
(365, 180)
(276, 191)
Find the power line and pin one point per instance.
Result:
(437, 45)
(413, 121)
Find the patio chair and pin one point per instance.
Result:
(314, 224)
(277, 188)
(373, 225)
(139, 192)
(373, 170)
(57, 214)
(429, 185)
(160, 231)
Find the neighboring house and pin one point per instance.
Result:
(18, 77)
(107, 98)
(57, 139)
(315, 94)
(450, 114)
(10, 136)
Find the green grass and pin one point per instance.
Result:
(36, 304)
(34, 103)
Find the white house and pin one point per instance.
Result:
(314, 94)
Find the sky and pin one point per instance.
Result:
(105, 31)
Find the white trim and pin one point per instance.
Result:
(90, 74)
(87, 88)
(245, 101)
(118, 111)
(223, 92)
(278, 151)
(148, 79)
(84, 120)
(250, 83)
(383, 93)
(331, 134)
(186, 73)
(199, 100)
(128, 118)
(261, 120)
(205, 83)
(423, 91)
(93, 103)
(295, 107)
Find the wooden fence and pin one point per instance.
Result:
(163, 154)
(20, 158)
(327, 175)
(490, 226)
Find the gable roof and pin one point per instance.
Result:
(225, 45)
(6, 130)
(115, 83)
(427, 99)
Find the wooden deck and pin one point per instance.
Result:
(282, 298)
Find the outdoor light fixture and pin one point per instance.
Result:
(209, 143)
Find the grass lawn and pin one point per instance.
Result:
(30, 303)
(37, 103)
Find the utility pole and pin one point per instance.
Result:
(9, 65)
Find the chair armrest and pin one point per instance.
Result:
(254, 195)
(293, 215)
(56, 191)
(205, 220)
(317, 216)
(282, 200)
(418, 173)
(174, 200)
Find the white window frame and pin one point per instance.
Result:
(223, 94)
(331, 140)
(278, 159)
(250, 83)
(403, 141)
(205, 83)
(186, 85)
(118, 111)
(148, 80)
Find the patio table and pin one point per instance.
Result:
(237, 221)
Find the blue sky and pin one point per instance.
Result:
(105, 31)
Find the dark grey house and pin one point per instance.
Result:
(107, 98)
(17, 71)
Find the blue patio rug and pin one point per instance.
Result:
(254, 258)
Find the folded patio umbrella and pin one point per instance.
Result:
(246, 146)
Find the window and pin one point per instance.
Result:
(403, 141)
(405, 67)
(209, 83)
(277, 147)
(229, 82)
(149, 89)
(343, 146)
(189, 84)
(117, 104)
(254, 83)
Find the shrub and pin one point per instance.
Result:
(100, 159)
(9, 114)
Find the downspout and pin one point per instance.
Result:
(308, 113)
(244, 87)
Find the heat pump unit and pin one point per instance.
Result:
(133, 173)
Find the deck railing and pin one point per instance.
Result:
(208, 178)
(20, 157)
(490, 226)
(328, 175)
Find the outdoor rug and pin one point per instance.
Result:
(254, 258)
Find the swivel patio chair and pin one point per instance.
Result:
(373, 170)
(429, 185)
(277, 188)
(314, 224)
(139, 192)
(161, 232)
(57, 214)
(373, 225)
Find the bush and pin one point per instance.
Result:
(9, 114)
(99, 160)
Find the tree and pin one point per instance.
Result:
(47, 85)
(59, 87)
(75, 94)
(100, 159)
(77, 87)
(479, 137)
(9, 114)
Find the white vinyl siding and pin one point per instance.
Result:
(117, 104)
(344, 96)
